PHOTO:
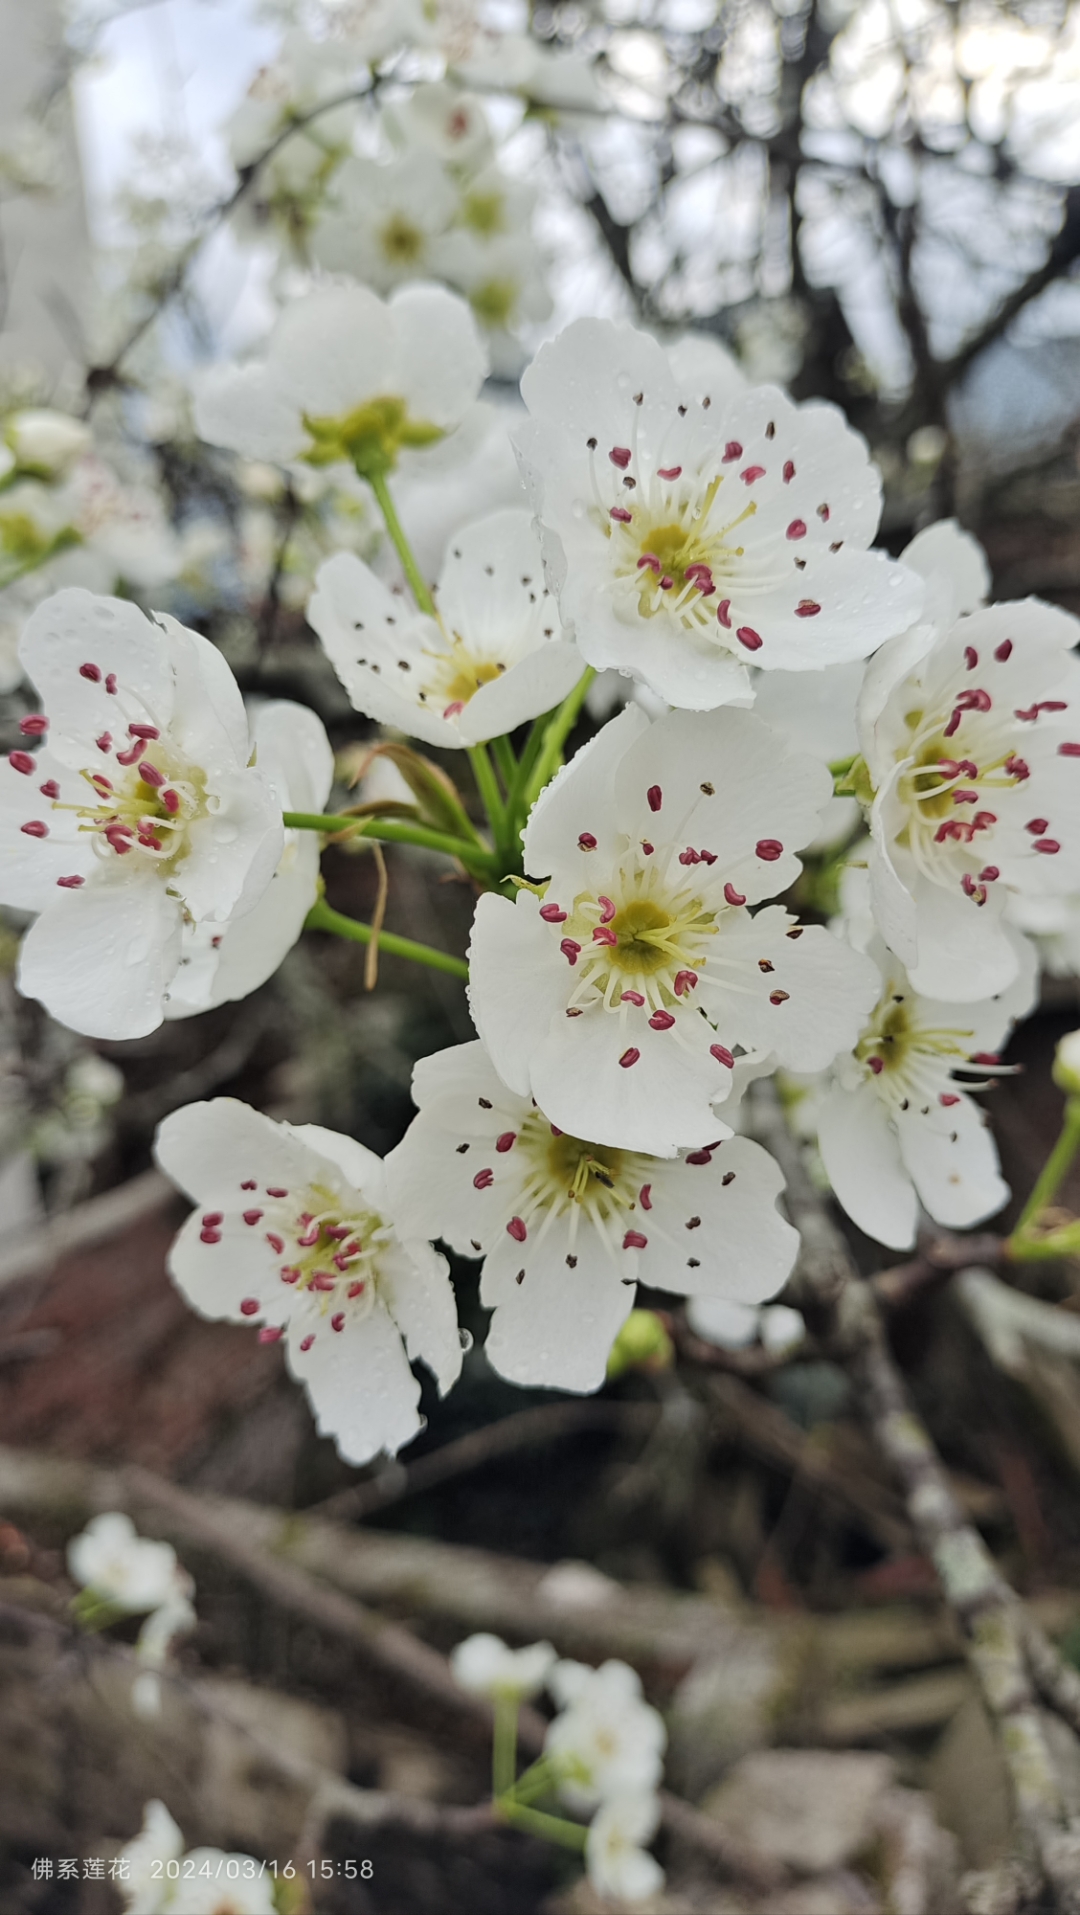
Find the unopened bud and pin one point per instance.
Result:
(642, 1344)
(1067, 1064)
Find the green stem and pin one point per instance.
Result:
(322, 918)
(1056, 1243)
(841, 766)
(551, 1828)
(504, 757)
(488, 786)
(555, 736)
(377, 482)
(504, 1745)
(391, 831)
(1049, 1179)
(539, 1779)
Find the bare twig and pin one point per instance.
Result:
(92, 1222)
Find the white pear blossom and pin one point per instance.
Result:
(44, 442)
(618, 997)
(137, 815)
(569, 1228)
(439, 118)
(898, 1126)
(970, 729)
(502, 279)
(563, 81)
(687, 539)
(486, 1666)
(494, 657)
(735, 1326)
(816, 712)
(349, 377)
(1053, 925)
(207, 1881)
(381, 221)
(292, 1231)
(606, 1741)
(123, 1568)
(617, 1862)
(220, 963)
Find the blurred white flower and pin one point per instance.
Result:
(486, 1666)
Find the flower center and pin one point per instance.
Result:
(960, 758)
(456, 676)
(328, 1247)
(147, 810)
(911, 1062)
(640, 945)
(401, 241)
(566, 1175)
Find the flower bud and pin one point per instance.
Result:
(46, 443)
(1067, 1064)
(642, 1344)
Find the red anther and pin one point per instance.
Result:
(337, 1321)
(277, 1244)
(689, 856)
(797, 529)
(1046, 704)
(270, 1333)
(769, 849)
(824, 514)
(35, 725)
(1037, 826)
(35, 829)
(209, 1236)
(171, 800)
(100, 782)
(553, 914)
(732, 450)
(70, 884)
(699, 1157)
(985, 1057)
(953, 724)
(555, 1131)
(629, 1057)
(1017, 767)
(752, 472)
(571, 950)
(950, 767)
(148, 840)
(974, 700)
(151, 776)
(143, 731)
(972, 890)
(983, 820)
(654, 797)
(649, 559)
(306, 1342)
(661, 1021)
(21, 761)
(356, 1289)
(1069, 751)
(669, 472)
(340, 1260)
(110, 683)
(289, 1273)
(603, 934)
(310, 1236)
(269, 1192)
(483, 1180)
(92, 672)
(644, 1196)
(249, 1307)
(967, 769)
(1049, 845)
(607, 909)
(586, 841)
(323, 1280)
(684, 981)
(505, 1142)
(647, 847)
(723, 613)
(451, 711)
(118, 837)
(989, 873)
(722, 1055)
(778, 997)
(789, 471)
(104, 743)
(807, 608)
(337, 1232)
(132, 754)
(252, 1217)
(516, 1229)
(951, 828)
(962, 797)
(250, 1184)
(620, 456)
(213, 1218)
(948, 1098)
(50, 789)
(707, 857)
(747, 636)
(666, 582)
(877, 1065)
(632, 997)
(732, 896)
(971, 657)
(1004, 650)
(634, 1240)
(620, 513)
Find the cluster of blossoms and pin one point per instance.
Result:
(160, 1878)
(124, 1574)
(633, 965)
(603, 1753)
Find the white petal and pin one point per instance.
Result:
(659, 1103)
(216, 1278)
(365, 629)
(414, 1284)
(537, 683)
(210, 1150)
(964, 949)
(515, 990)
(220, 964)
(952, 1157)
(860, 595)
(247, 409)
(234, 850)
(360, 1167)
(861, 1154)
(580, 799)
(293, 751)
(723, 1215)
(100, 959)
(811, 1001)
(556, 1327)
(441, 361)
(76, 628)
(360, 1385)
(208, 721)
(332, 349)
(30, 866)
(945, 552)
